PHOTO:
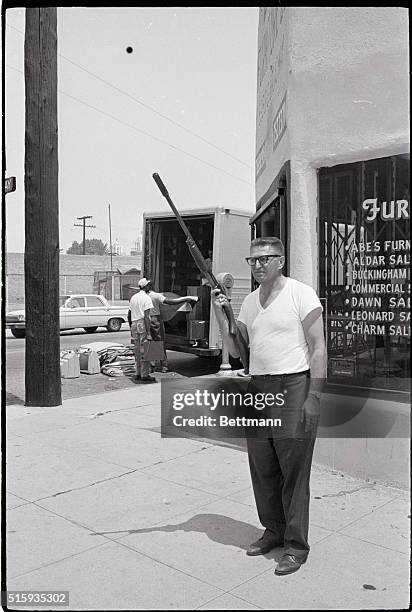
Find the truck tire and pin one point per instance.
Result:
(18, 333)
(90, 330)
(114, 325)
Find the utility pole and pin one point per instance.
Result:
(41, 255)
(83, 225)
(111, 252)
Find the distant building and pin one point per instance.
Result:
(117, 248)
(137, 245)
(77, 273)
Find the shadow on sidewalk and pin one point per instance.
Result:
(218, 528)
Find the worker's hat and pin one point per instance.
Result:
(143, 282)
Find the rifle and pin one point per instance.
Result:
(204, 270)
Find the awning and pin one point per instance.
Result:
(263, 209)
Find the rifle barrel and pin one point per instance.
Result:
(166, 195)
(196, 254)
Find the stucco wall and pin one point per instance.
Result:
(348, 100)
(272, 84)
(386, 460)
(348, 83)
(344, 74)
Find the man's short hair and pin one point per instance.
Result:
(269, 241)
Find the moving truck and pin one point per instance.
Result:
(223, 237)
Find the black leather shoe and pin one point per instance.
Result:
(289, 564)
(262, 546)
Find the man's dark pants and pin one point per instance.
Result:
(280, 461)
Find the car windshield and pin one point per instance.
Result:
(62, 299)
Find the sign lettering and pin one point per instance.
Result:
(389, 211)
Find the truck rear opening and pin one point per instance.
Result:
(222, 236)
(174, 273)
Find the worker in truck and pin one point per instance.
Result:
(157, 328)
(281, 321)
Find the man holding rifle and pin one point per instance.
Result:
(279, 338)
(281, 323)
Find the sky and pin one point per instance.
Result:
(195, 67)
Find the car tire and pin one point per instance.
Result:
(90, 330)
(18, 333)
(114, 325)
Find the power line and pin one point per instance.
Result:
(148, 134)
(145, 105)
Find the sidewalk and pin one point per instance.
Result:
(100, 505)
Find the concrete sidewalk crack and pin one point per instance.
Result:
(193, 452)
(359, 539)
(349, 491)
(92, 484)
(99, 414)
(231, 595)
(359, 518)
(42, 566)
(172, 567)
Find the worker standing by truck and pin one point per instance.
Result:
(140, 305)
(157, 328)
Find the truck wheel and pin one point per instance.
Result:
(18, 333)
(114, 325)
(90, 330)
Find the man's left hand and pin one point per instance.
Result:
(310, 412)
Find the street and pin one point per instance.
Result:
(184, 364)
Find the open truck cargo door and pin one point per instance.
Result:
(223, 237)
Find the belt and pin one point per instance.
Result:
(278, 376)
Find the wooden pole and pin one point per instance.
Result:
(83, 225)
(111, 252)
(41, 257)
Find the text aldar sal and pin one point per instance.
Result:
(379, 260)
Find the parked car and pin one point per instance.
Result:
(80, 310)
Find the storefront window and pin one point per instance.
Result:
(364, 257)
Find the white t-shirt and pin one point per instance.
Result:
(157, 299)
(276, 337)
(139, 302)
